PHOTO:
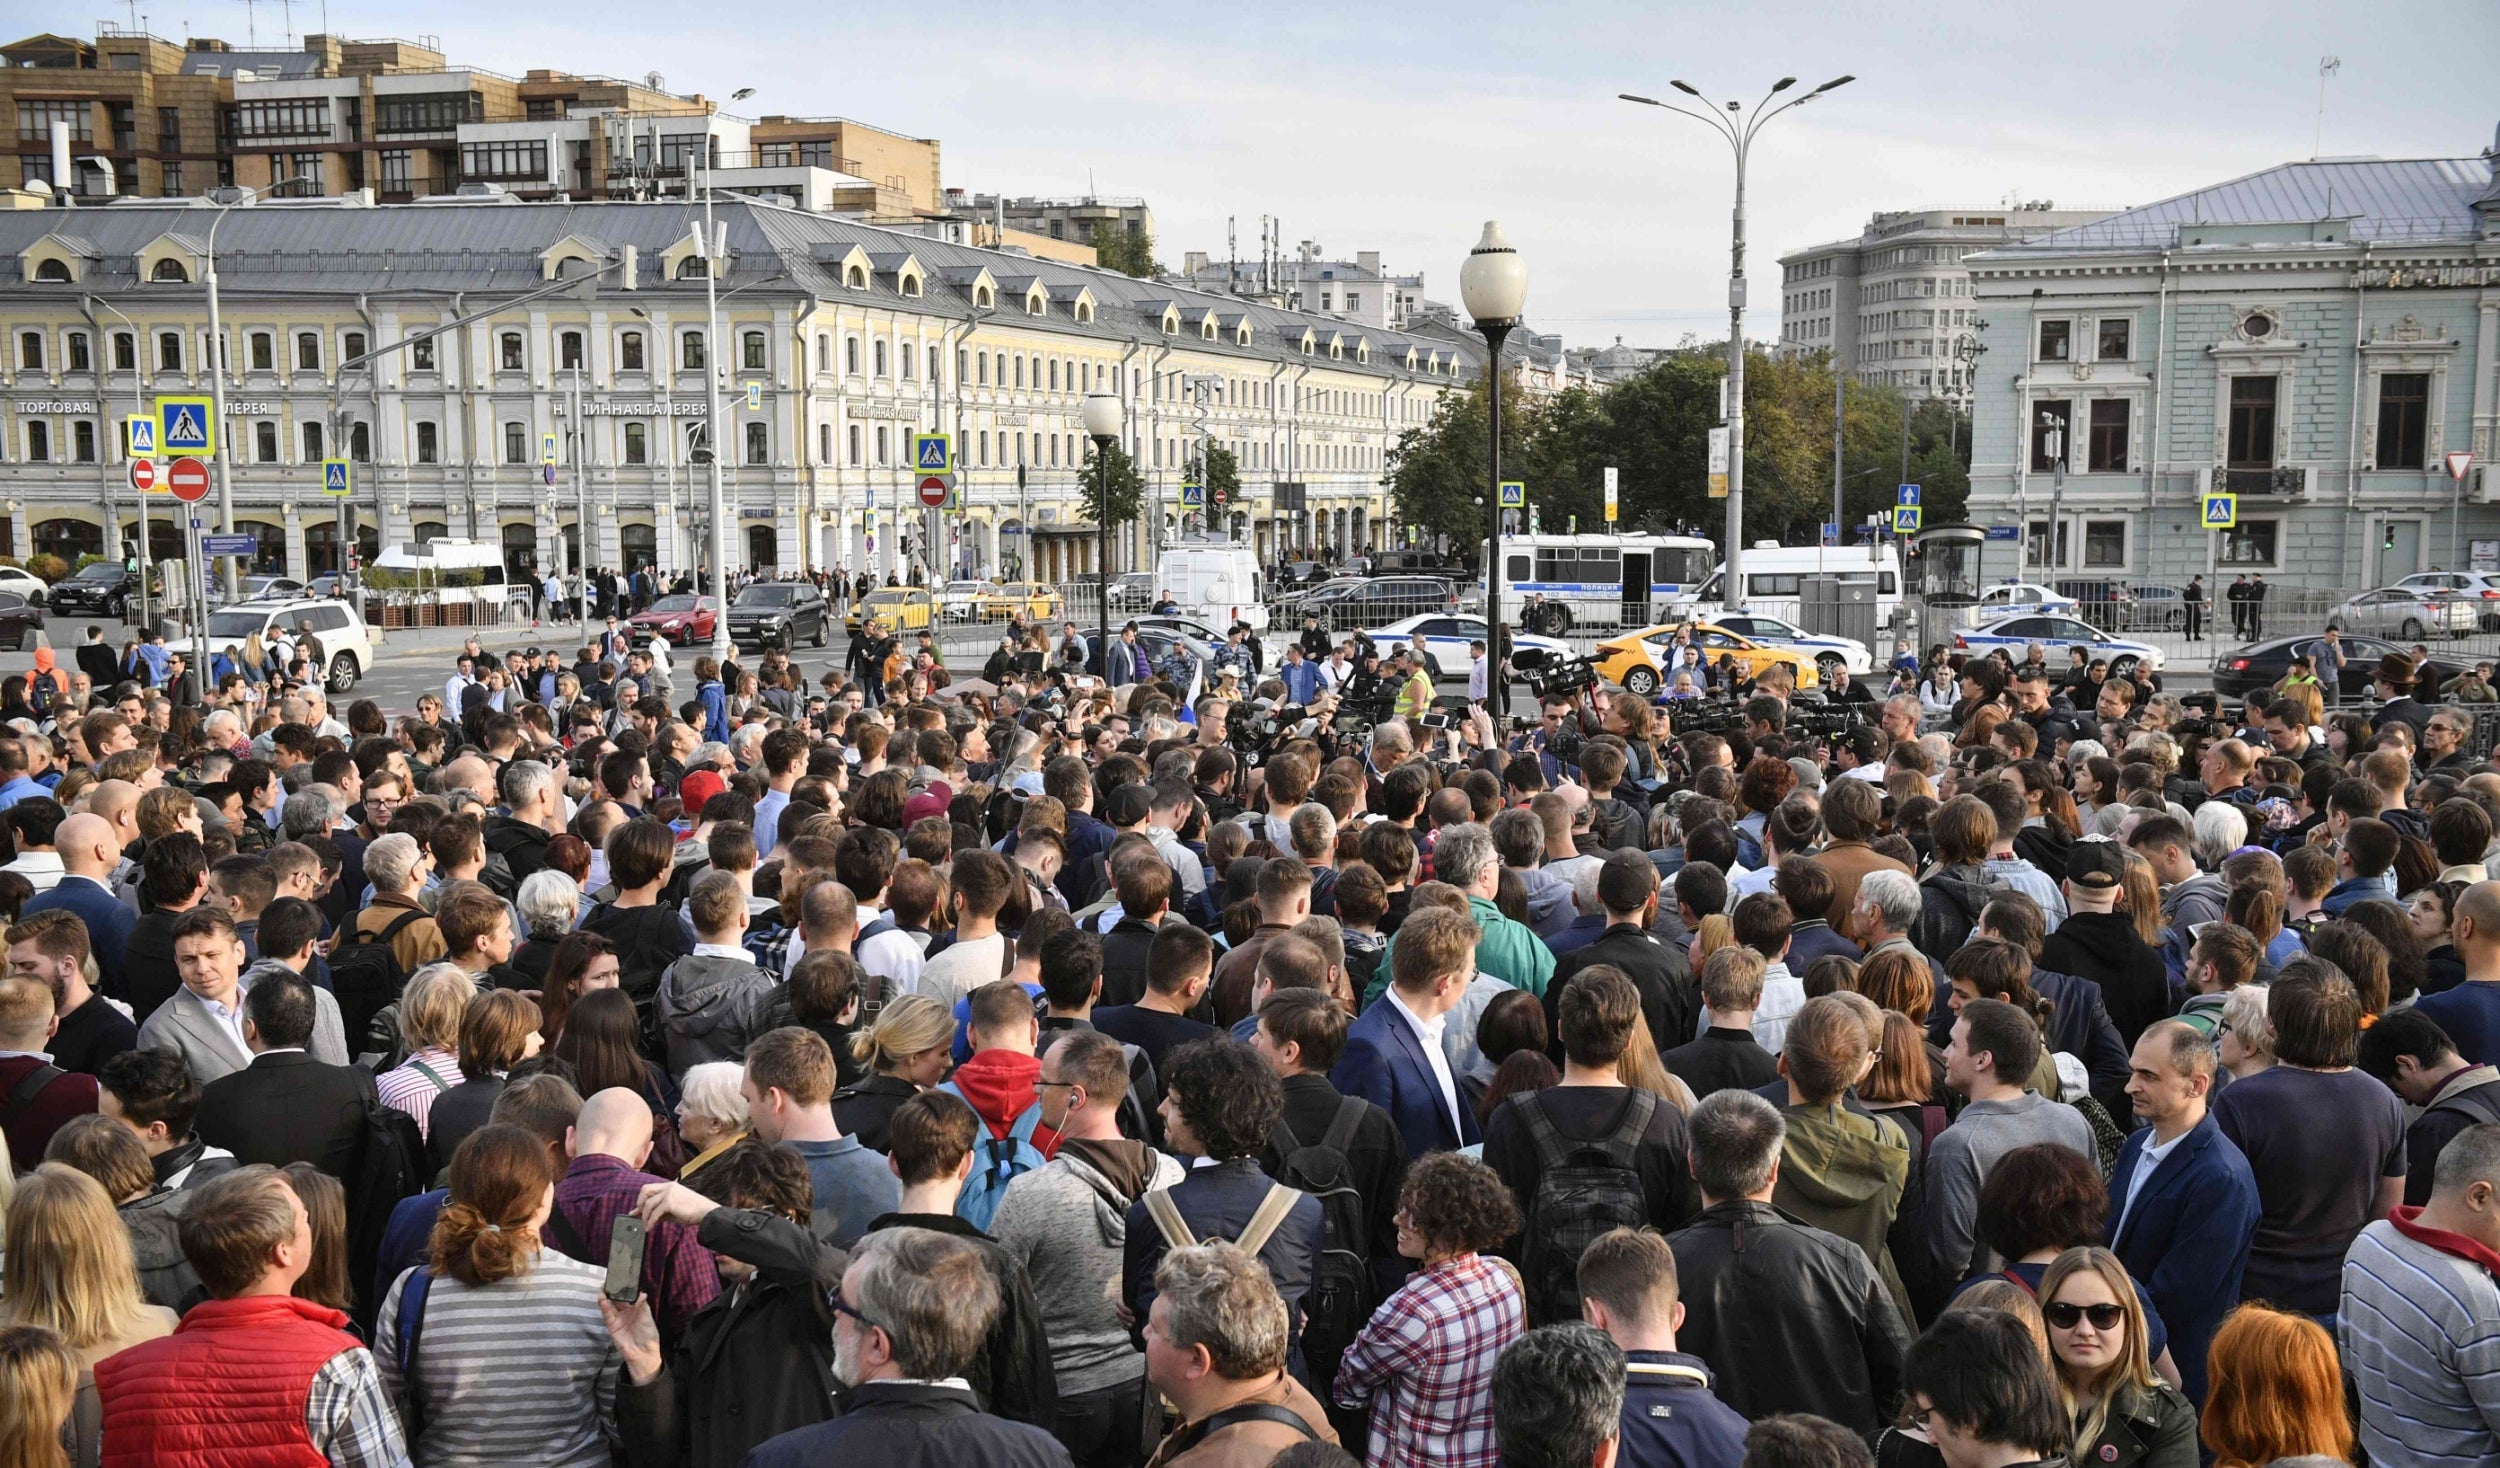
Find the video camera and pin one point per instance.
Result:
(1551, 674)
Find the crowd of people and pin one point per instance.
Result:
(1066, 1074)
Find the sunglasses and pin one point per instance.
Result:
(2063, 1316)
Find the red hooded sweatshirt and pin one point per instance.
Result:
(999, 1084)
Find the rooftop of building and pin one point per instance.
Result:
(2382, 200)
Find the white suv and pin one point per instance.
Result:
(345, 644)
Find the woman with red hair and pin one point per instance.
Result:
(2274, 1391)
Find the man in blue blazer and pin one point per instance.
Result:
(88, 856)
(1394, 1056)
(2182, 1200)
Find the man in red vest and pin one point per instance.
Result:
(253, 1374)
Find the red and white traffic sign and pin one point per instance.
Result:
(2459, 461)
(933, 490)
(190, 480)
(143, 475)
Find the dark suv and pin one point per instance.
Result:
(103, 589)
(1385, 599)
(778, 614)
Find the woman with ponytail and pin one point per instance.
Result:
(495, 1349)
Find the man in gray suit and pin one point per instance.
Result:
(203, 1022)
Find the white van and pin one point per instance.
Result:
(1775, 579)
(1216, 581)
(459, 570)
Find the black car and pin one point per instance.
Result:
(1380, 601)
(2259, 667)
(778, 614)
(20, 620)
(103, 589)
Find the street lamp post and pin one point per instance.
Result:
(1494, 285)
(217, 379)
(1103, 415)
(139, 408)
(715, 252)
(1738, 127)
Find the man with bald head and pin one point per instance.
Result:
(471, 774)
(89, 856)
(2470, 1012)
(609, 1142)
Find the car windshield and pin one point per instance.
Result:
(100, 571)
(236, 624)
(767, 596)
(673, 604)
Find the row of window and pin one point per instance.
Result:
(260, 350)
(2403, 440)
(43, 444)
(2250, 543)
(2113, 339)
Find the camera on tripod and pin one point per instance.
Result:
(1553, 674)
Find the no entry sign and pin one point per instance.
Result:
(142, 471)
(189, 478)
(933, 490)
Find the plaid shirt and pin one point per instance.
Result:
(1424, 1363)
(677, 1272)
(350, 1417)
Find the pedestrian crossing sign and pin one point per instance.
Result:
(186, 427)
(2222, 511)
(932, 453)
(334, 476)
(1514, 495)
(1193, 496)
(546, 448)
(142, 437)
(1905, 519)
(755, 397)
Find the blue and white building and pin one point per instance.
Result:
(2314, 338)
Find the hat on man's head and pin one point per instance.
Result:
(1128, 805)
(698, 787)
(1628, 879)
(2096, 866)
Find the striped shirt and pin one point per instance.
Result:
(2420, 1338)
(414, 1085)
(520, 1371)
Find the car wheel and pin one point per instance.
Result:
(1641, 682)
(821, 632)
(2120, 667)
(2411, 631)
(118, 608)
(342, 673)
(1828, 664)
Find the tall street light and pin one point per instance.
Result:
(1738, 126)
(1103, 415)
(217, 378)
(1494, 285)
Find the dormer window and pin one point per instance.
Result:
(1085, 312)
(981, 296)
(910, 285)
(55, 271)
(693, 267)
(1036, 304)
(855, 278)
(170, 272)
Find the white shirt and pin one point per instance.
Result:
(1429, 1032)
(722, 950)
(1783, 994)
(1758, 880)
(962, 968)
(2154, 1152)
(1475, 681)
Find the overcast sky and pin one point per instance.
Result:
(1401, 128)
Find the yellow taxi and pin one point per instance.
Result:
(1638, 660)
(1031, 600)
(899, 608)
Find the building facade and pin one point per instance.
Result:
(2313, 339)
(1894, 305)
(838, 341)
(1351, 290)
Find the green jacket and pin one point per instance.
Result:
(1509, 951)
(2145, 1429)
(1844, 1173)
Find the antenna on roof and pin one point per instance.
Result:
(2327, 67)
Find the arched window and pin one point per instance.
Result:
(170, 271)
(751, 351)
(629, 352)
(981, 368)
(981, 296)
(1019, 372)
(512, 359)
(856, 278)
(569, 350)
(1054, 375)
(824, 443)
(307, 351)
(690, 351)
(360, 443)
(824, 352)
(880, 357)
(260, 351)
(30, 351)
(53, 270)
(850, 355)
(908, 365)
(1085, 311)
(855, 450)
(1002, 369)
(693, 267)
(910, 285)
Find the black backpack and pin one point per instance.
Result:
(365, 975)
(390, 1168)
(1583, 1190)
(1341, 1295)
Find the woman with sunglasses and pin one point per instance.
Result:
(2123, 1414)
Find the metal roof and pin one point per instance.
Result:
(2385, 200)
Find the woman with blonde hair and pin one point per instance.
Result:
(2102, 1368)
(2276, 1390)
(906, 1049)
(2245, 1042)
(69, 1270)
(2139, 897)
(112, 1154)
(430, 1010)
(324, 1281)
(514, 1364)
(38, 1390)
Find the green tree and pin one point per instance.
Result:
(1437, 473)
(1221, 476)
(1130, 252)
(1126, 486)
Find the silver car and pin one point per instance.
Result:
(2481, 587)
(2405, 613)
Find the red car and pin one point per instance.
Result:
(680, 619)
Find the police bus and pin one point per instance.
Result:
(1554, 583)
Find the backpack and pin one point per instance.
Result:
(1263, 1224)
(1583, 1189)
(365, 974)
(1340, 1299)
(408, 1328)
(2473, 1104)
(1000, 1161)
(390, 1169)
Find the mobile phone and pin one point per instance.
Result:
(625, 1243)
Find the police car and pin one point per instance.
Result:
(1828, 652)
(2057, 633)
(1444, 639)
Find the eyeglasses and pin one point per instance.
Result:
(844, 1307)
(2062, 1316)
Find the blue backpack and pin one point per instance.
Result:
(998, 1161)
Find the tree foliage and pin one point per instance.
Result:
(1219, 473)
(1127, 488)
(1116, 247)
(1654, 430)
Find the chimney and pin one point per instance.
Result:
(1368, 260)
(1193, 262)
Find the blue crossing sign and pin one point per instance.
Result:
(143, 437)
(932, 453)
(186, 427)
(1193, 496)
(1905, 519)
(1514, 494)
(2222, 511)
(1908, 495)
(334, 476)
